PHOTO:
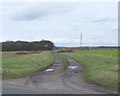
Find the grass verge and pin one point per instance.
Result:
(24, 65)
(64, 61)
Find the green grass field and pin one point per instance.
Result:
(101, 66)
(113, 53)
(14, 65)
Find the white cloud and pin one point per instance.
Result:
(102, 18)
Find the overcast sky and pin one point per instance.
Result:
(61, 23)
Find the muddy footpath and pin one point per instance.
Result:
(55, 80)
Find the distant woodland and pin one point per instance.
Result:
(27, 46)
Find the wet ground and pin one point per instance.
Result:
(55, 80)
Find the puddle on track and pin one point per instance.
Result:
(72, 67)
(49, 70)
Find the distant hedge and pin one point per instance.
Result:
(27, 46)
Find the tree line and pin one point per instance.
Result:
(27, 46)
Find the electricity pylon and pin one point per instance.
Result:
(81, 42)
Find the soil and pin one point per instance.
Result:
(69, 81)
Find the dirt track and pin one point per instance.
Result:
(69, 81)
